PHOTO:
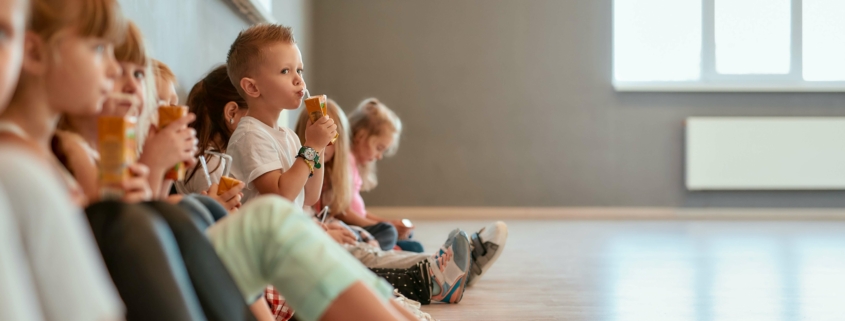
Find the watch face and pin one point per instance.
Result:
(309, 153)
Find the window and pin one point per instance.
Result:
(729, 45)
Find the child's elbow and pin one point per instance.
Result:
(310, 200)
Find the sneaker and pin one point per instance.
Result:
(487, 245)
(450, 267)
(412, 306)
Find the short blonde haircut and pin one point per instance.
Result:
(246, 52)
(372, 118)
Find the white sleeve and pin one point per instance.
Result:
(70, 278)
(17, 290)
(254, 154)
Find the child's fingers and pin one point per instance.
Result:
(323, 120)
(181, 123)
(349, 239)
(213, 189)
(232, 193)
(139, 170)
(232, 203)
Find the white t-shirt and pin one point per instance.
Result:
(197, 183)
(70, 279)
(257, 149)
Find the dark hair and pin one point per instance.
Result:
(208, 100)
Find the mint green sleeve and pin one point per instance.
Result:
(270, 242)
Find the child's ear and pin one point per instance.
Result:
(35, 54)
(250, 87)
(359, 136)
(230, 110)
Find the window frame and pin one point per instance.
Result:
(711, 81)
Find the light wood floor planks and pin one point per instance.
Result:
(655, 271)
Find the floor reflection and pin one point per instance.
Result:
(718, 277)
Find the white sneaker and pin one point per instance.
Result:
(487, 244)
(412, 306)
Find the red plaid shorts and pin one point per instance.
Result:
(280, 309)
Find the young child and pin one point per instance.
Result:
(165, 84)
(375, 131)
(16, 285)
(386, 128)
(421, 277)
(265, 66)
(75, 142)
(68, 66)
(219, 108)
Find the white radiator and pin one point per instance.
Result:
(765, 153)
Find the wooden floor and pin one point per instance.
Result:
(655, 271)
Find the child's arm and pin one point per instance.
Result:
(166, 147)
(353, 218)
(314, 186)
(81, 163)
(286, 184)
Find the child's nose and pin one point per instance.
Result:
(130, 86)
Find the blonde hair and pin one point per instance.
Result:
(163, 72)
(247, 49)
(338, 194)
(134, 50)
(372, 118)
(91, 18)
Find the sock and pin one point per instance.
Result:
(435, 283)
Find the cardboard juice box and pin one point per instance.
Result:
(118, 150)
(315, 106)
(167, 115)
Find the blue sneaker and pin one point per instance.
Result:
(451, 267)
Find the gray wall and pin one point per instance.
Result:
(509, 103)
(193, 36)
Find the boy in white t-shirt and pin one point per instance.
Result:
(265, 65)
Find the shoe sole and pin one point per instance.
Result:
(502, 227)
(462, 282)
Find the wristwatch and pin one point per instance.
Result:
(310, 154)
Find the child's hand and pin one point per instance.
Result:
(340, 234)
(320, 133)
(403, 231)
(171, 145)
(137, 189)
(231, 199)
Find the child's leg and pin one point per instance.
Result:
(410, 246)
(271, 242)
(385, 234)
(130, 237)
(373, 257)
(414, 282)
(216, 289)
(216, 210)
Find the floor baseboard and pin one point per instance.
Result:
(609, 213)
